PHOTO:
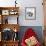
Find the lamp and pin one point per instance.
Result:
(15, 3)
(15, 30)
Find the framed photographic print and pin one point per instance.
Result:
(30, 13)
(5, 12)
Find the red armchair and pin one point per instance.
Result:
(28, 35)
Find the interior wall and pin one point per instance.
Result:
(39, 13)
(26, 3)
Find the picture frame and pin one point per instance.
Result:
(30, 13)
(5, 12)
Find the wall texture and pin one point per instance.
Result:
(39, 13)
(26, 3)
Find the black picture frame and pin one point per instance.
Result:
(30, 13)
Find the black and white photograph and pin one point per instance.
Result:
(30, 13)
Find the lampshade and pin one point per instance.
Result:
(15, 30)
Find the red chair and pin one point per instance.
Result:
(29, 33)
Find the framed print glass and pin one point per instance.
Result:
(30, 13)
(5, 12)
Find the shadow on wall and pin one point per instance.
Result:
(37, 29)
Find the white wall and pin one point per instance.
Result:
(27, 3)
(39, 12)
